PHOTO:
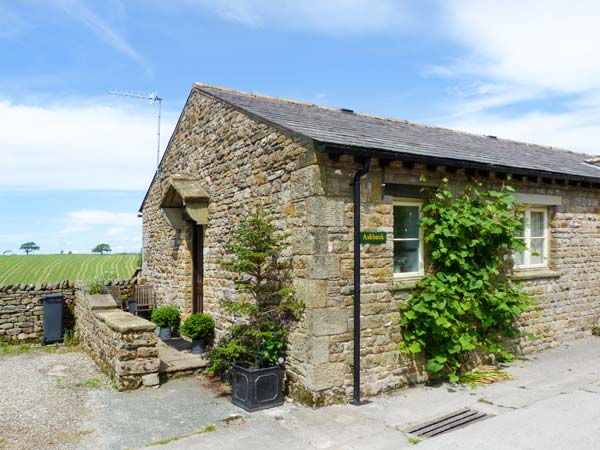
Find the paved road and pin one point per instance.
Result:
(553, 403)
(61, 401)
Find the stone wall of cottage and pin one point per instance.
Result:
(123, 345)
(241, 162)
(567, 303)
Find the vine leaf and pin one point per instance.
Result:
(467, 300)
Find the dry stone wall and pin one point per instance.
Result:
(125, 290)
(123, 345)
(21, 310)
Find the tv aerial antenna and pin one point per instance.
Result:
(154, 98)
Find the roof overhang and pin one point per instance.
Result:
(362, 152)
(185, 198)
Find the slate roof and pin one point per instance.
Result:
(381, 136)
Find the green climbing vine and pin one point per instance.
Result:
(466, 301)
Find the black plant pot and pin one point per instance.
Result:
(256, 389)
(164, 333)
(198, 346)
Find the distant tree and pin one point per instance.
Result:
(62, 252)
(29, 247)
(70, 252)
(101, 248)
(7, 252)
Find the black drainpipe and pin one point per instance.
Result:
(356, 369)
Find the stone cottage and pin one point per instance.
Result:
(312, 167)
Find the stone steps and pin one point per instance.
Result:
(176, 359)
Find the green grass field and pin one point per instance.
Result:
(38, 268)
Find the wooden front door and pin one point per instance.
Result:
(197, 268)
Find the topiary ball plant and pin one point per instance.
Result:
(199, 326)
(166, 317)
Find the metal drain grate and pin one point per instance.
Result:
(449, 422)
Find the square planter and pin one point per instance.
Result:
(164, 333)
(198, 346)
(256, 389)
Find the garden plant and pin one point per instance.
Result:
(200, 327)
(97, 284)
(467, 300)
(265, 306)
(167, 318)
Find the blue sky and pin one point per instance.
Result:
(76, 162)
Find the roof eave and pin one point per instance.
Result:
(332, 148)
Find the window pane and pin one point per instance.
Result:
(537, 224)
(406, 256)
(521, 233)
(537, 250)
(406, 222)
(519, 258)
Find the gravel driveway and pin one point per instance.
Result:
(44, 398)
(58, 399)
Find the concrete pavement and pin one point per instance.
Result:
(553, 403)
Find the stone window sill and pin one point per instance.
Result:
(535, 274)
(405, 283)
(409, 283)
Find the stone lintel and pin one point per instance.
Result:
(539, 199)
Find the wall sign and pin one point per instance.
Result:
(373, 237)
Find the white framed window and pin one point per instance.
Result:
(535, 237)
(408, 238)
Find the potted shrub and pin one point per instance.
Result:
(167, 319)
(252, 354)
(200, 327)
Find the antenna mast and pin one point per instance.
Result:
(153, 97)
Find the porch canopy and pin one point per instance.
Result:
(185, 198)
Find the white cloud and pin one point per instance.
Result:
(78, 146)
(574, 130)
(121, 230)
(116, 231)
(536, 66)
(100, 217)
(331, 17)
(79, 11)
(477, 97)
(550, 44)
